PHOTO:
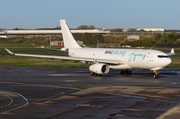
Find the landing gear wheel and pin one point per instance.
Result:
(156, 76)
(126, 72)
(122, 72)
(129, 72)
(92, 73)
(95, 74)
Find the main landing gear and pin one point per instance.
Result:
(95, 74)
(126, 72)
(156, 74)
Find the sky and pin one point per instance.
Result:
(31, 14)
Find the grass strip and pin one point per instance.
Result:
(32, 61)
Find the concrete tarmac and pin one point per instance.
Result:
(66, 93)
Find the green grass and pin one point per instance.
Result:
(16, 46)
(175, 63)
(177, 53)
(31, 61)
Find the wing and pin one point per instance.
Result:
(69, 58)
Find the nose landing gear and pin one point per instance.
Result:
(156, 74)
(95, 74)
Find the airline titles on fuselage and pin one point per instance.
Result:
(108, 52)
(132, 55)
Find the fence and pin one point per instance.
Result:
(168, 45)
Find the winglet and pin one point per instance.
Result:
(171, 53)
(9, 51)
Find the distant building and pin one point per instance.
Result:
(151, 29)
(131, 38)
(80, 42)
(49, 32)
(3, 36)
(54, 42)
(125, 30)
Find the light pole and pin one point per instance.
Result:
(50, 41)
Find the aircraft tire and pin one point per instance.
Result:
(129, 72)
(126, 72)
(95, 74)
(92, 73)
(122, 72)
(156, 76)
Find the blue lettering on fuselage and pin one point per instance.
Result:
(119, 52)
(132, 56)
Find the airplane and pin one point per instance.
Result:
(101, 60)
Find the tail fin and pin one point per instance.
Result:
(69, 41)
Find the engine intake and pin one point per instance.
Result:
(99, 68)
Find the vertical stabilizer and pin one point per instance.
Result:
(69, 41)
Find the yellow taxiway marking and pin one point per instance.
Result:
(168, 112)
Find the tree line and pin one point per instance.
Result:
(91, 39)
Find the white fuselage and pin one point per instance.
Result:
(131, 58)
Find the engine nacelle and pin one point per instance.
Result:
(99, 68)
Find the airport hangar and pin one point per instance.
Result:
(48, 32)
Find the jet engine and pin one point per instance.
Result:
(99, 68)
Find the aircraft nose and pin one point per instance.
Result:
(167, 62)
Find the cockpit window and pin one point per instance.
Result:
(163, 56)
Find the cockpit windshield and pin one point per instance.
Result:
(163, 56)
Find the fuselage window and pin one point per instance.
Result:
(163, 56)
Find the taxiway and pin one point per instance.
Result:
(65, 93)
